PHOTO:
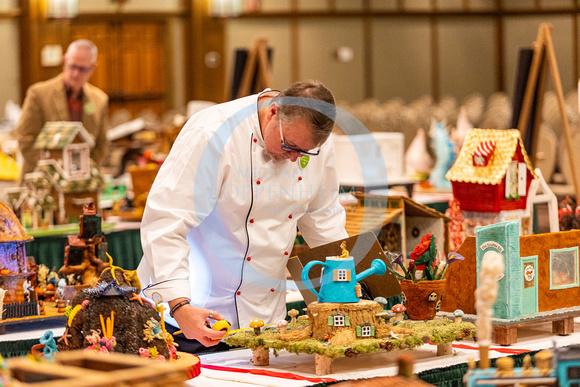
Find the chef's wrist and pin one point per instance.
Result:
(178, 305)
(177, 300)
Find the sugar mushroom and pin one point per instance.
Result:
(386, 315)
(398, 311)
(293, 313)
(256, 324)
(381, 300)
(458, 315)
(282, 324)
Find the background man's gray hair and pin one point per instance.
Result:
(84, 44)
(320, 115)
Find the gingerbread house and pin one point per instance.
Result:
(491, 178)
(15, 295)
(32, 202)
(65, 163)
(541, 271)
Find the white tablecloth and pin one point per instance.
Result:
(284, 367)
(364, 366)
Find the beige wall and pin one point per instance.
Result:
(401, 61)
(10, 63)
(240, 34)
(318, 40)
(401, 58)
(399, 51)
(86, 6)
(467, 58)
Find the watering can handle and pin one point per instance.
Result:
(305, 278)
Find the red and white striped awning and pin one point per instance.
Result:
(483, 152)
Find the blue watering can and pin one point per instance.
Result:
(339, 278)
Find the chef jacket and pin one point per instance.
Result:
(221, 216)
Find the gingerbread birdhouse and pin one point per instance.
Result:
(491, 178)
(65, 162)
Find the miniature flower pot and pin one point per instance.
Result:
(422, 298)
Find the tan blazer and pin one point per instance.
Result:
(46, 101)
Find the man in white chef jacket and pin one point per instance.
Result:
(222, 214)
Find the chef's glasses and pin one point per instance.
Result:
(290, 149)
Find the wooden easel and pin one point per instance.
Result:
(544, 41)
(257, 62)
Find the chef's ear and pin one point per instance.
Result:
(273, 110)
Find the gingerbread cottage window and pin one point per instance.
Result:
(341, 275)
(77, 161)
(564, 268)
(432, 297)
(338, 319)
(365, 330)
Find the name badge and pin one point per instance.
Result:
(89, 108)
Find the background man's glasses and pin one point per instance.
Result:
(80, 69)
(290, 149)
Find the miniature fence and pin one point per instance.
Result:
(20, 309)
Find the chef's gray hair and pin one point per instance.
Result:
(320, 115)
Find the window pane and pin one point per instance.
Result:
(564, 266)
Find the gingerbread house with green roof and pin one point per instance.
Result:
(491, 178)
(32, 202)
(65, 164)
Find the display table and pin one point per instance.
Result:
(123, 240)
(234, 368)
(19, 339)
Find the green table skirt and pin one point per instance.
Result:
(124, 246)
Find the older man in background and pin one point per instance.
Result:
(66, 97)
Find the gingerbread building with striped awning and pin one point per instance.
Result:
(491, 176)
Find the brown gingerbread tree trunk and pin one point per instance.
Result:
(354, 314)
(261, 356)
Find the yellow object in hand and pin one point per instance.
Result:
(221, 325)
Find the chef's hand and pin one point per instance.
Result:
(195, 323)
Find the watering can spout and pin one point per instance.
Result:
(378, 267)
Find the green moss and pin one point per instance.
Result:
(439, 331)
